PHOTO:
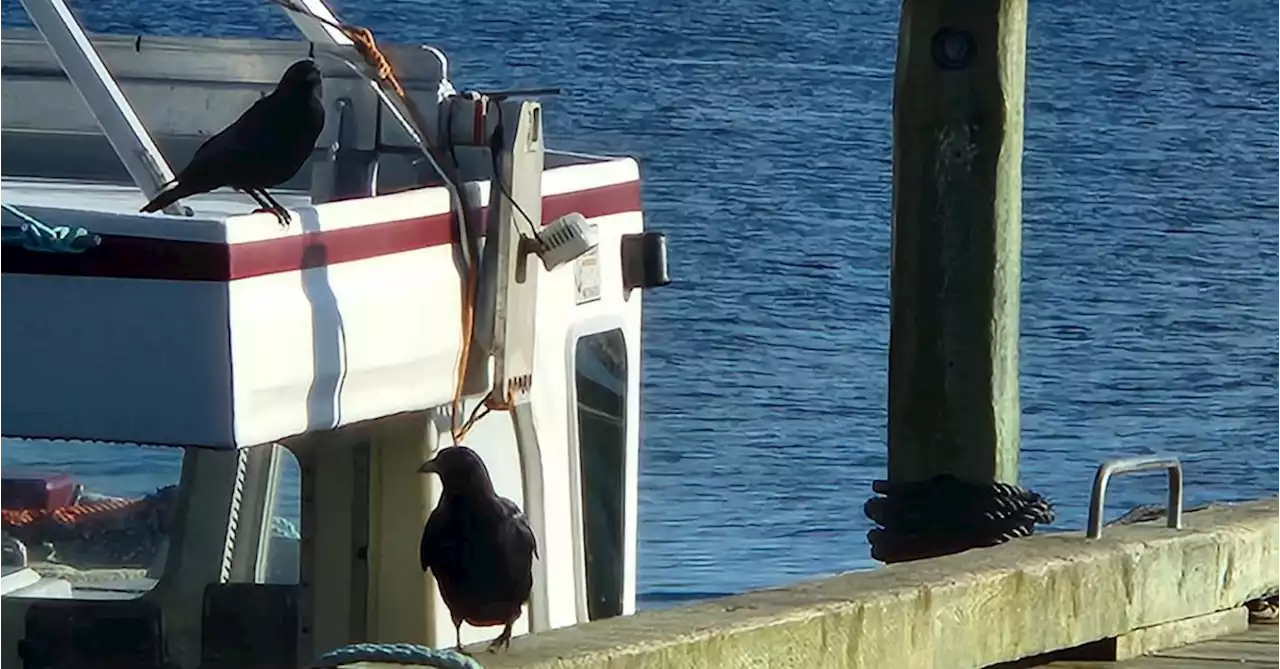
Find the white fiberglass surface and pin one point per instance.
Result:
(119, 199)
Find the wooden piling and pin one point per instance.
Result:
(957, 216)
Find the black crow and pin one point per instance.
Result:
(478, 545)
(263, 148)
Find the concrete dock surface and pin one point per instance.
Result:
(1257, 648)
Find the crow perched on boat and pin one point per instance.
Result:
(263, 148)
(478, 545)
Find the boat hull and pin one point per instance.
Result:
(225, 331)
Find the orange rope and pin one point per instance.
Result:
(464, 353)
(368, 49)
(364, 45)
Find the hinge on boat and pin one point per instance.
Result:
(507, 291)
(515, 217)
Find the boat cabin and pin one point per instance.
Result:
(215, 423)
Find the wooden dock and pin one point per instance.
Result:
(1254, 649)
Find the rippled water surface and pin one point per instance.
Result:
(1149, 314)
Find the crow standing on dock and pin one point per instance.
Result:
(263, 148)
(478, 545)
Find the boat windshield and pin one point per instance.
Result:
(93, 520)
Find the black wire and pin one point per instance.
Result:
(495, 147)
(473, 246)
(475, 417)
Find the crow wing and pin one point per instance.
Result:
(520, 534)
(237, 145)
(434, 539)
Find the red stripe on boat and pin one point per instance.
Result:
(127, 257)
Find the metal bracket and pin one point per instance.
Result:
(1097, 501)
(345, 172)
(515, 214)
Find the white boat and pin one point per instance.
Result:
(335, 341)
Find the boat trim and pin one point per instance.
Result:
(134, 257)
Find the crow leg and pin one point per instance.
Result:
(266, 205)
(280, 210)
(503, 640)
(263, 205)
(457, 638)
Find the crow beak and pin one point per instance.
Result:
(429, 467)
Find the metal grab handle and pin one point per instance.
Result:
(1125, 465)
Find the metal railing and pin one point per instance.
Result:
(1097, 501)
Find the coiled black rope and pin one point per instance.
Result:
(945, 515)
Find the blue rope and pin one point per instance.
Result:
(281, 527)
(36, 236)
(396, 653)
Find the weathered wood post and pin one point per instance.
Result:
(957, 216)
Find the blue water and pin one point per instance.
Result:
(1149, 314)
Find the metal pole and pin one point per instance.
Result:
(110, 108)
(317, 31)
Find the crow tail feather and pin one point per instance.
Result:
(167, 197)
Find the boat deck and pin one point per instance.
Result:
(121, 199)
(1255, 649)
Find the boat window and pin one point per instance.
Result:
(286, 520)
(89, 520)
(600, 369)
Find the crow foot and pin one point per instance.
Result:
(503, 641)
(281, 215)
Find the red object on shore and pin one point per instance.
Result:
(36, 491)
